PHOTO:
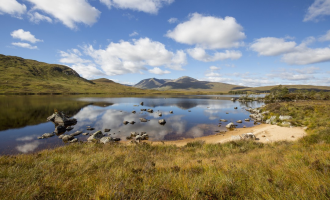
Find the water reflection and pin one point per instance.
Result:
(192, 117)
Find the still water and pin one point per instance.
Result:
(23, 118)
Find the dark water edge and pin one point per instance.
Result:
(23, 118)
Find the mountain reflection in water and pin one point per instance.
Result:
(192, 117)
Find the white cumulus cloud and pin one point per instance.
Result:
(201, 55)
(208, 32)
(270, 46)
(37, 17)
(12, 7)
(158, 71)
(24, 36)
(291, 53)
(325, 37)
(317, 9)
(24, 45)
(305, 55)
(148, 6)
(69, 12)
(126, 57)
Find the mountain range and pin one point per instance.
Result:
(186, 83)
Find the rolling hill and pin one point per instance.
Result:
(19, 75)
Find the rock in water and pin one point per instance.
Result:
(74, 140)
(96, 136)
(143, 120)
(85, 133)
(230, 125)
(107, 130)
(76, 133)
(162, 121)
(125, 122)
(239, 121)
(60, 129)
(47, 135)
(67, 138)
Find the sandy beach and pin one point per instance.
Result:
(264, 133)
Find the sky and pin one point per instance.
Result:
(250, 43)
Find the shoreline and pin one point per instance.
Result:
(265, 133)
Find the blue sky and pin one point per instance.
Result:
(250, 43)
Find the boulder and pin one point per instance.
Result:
(247, 119)
(76, 133)
(223, 120)
(85, 133)
(47, 135)
(248, 136)
(235, 107)
(61, 136)
(144, 109)
(171, 112)
(160, 114)
(60, 118)
(162, 121)
(150, 110)
(239, 121)
(105, 140)
(60, 129)
(143, 120)
(271, 120)
(133, 111)
(96, 136)
(74, 140)
(90, 128)
(132, 122)
(116, 139)
(67, 138)
(125, 122)
(107, 130)
(141, 103)
(230, 125)
(69, 128)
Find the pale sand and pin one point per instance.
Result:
(264, 133)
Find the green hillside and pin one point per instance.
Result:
(18, 75)
(266, 89)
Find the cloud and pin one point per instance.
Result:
(72, 56)
(133, 34)
(292, 53)
(24, 36)
(158, 71)
(270, 46)
(214, 68)
(317, 9)
(69, 12)
(208, 32)
(325, 37)
(212, 74)
(307, 70)
(172, 20)
(201, 55)
(37, 17)
(126, 57)
(88, 71)
(12, 7)
(304, 55)
(24, 45)
(148, 6)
